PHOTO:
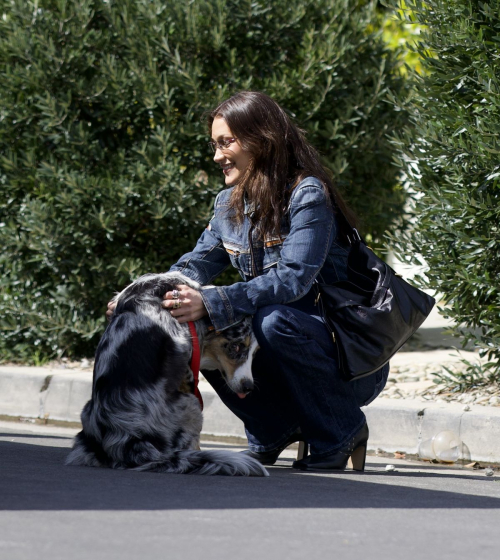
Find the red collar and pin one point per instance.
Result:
(195, 361)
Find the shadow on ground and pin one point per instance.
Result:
(33, 477)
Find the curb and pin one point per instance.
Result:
(402, 425)
(395, 425)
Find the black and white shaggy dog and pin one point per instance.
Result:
(143, 414)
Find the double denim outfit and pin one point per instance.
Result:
(297, 381)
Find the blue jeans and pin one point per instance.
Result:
(298, 383)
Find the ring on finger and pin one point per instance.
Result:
(175, 294)
(177, 303)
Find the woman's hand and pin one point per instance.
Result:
(110, 310)
(185, 304)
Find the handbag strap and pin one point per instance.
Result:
(354, 236)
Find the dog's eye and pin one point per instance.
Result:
(235, 347)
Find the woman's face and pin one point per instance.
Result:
(234, 160)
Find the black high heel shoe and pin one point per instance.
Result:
(355, 450)
(270, 457)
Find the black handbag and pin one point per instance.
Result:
(371, 314)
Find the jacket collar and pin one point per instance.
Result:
(249, 207)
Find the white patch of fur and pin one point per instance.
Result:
(209, 363)
(244, 371)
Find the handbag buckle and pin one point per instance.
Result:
(356, 236)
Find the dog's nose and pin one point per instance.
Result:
(246, 385)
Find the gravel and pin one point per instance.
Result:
(418, 381)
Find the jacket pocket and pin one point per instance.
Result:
(239, 257)
(272, 251)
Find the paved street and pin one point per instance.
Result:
(420, 511)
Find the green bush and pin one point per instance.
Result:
(105, 170)
(451, 163)
(398, 33)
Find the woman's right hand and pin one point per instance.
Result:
(110, 310)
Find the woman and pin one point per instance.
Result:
(276, 225)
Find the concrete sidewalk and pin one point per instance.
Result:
(395, 425)
(56, 394)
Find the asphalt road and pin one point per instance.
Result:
(51, 511)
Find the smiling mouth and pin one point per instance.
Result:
(227, 168)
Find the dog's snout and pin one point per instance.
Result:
(246, 386)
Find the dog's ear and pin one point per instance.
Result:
(126, 304)
(161, 288)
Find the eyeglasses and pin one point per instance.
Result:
(223, 145)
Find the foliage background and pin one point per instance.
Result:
(450, 161)
(104, 169)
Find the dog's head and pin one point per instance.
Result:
(231, 351)
(150, 289)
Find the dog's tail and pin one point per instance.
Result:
(207, 462)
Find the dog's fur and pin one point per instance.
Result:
(143, 414)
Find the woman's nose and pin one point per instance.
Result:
(218, 156)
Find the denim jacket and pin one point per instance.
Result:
(276, 270)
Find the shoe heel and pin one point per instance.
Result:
(302, 452)
(358, 458)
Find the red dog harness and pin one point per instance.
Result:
(195, 361)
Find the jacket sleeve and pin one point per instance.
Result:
(312, 229)
(207, 260)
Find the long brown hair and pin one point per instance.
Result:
(280, 158)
